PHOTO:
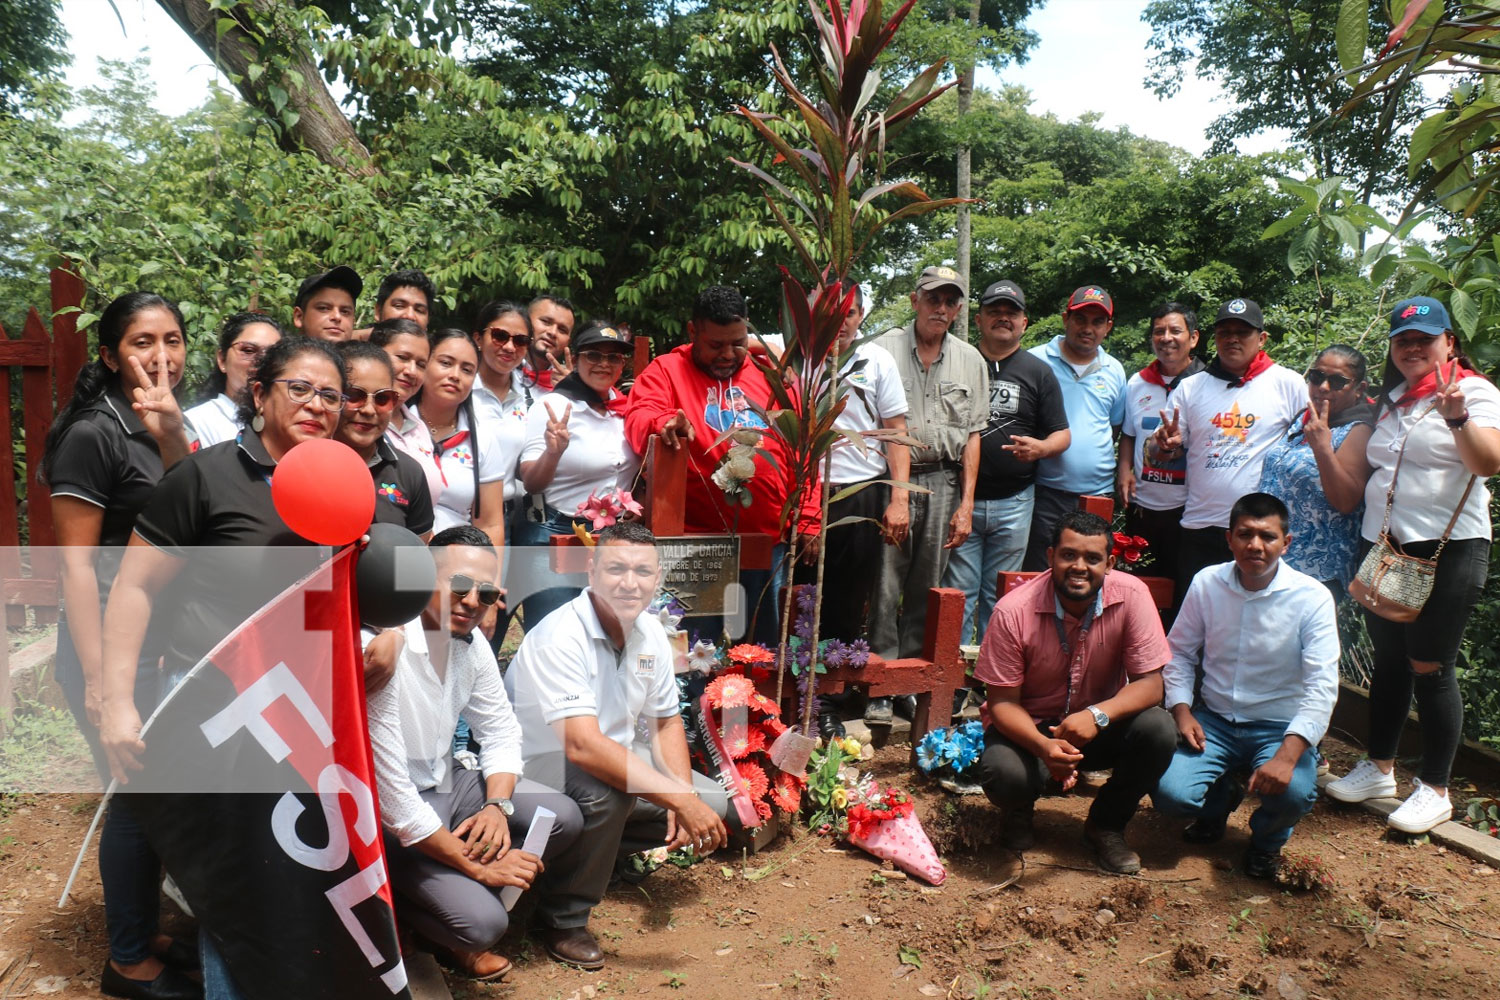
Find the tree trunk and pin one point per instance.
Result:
(320, 126)
(965, 177)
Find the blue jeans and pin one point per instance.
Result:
(996, 545)
(539, 595)
(217, 982)
(1201, 783)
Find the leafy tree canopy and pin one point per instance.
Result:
(33, 47)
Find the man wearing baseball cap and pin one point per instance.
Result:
(1027, 423)
(324, 308)
(1224, 420)
(947, 395)
(1093, 391)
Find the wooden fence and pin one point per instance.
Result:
(49, 362)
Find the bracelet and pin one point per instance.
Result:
(1454, 423)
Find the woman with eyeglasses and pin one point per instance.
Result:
(105, 454)
(406, 344)
(468, 455)
(1317, 469)
(401, 495)
(1439, 420)
(243, 338)
(208, 532)
(576, 446)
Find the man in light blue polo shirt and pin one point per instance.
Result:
(1093, 390)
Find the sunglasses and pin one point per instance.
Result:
(385, 399)
(460, 586)
(501, 338)
(614, 359)
(299, 391)
(1335, 382)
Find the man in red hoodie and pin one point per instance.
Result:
(690, 396)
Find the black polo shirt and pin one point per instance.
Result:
(401, 493)
(1025, 400)
(107, 458)
(213, 510)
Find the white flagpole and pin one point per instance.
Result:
(87, 839)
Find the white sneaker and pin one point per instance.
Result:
(1366, 781)
(1422, 810)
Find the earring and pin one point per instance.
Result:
(258, 422)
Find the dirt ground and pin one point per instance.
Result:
(805, 918)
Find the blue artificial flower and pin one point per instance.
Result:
(929, 751)
(973, 729)
(967, 753)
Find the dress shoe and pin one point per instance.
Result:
(572, 946)
(1210, 829)
(1261, 864)
(1111, 851)
(905, 706)
(878, 712)
(830, 727)
(1016, 830)
(168, 985)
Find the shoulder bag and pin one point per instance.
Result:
(1389, 582)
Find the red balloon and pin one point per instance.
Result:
(323, 491)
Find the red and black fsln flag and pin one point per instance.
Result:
(258, 794)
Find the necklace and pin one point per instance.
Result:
(441, 430)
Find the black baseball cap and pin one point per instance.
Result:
(1244, 310)
(599, 333)
(339, 277)
(1004, 291)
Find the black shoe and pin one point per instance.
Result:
(1111, 851)
(878, 712)
(830, 727)
(168, 985)
(1210, 830)
(960, 700)
(906, 706)
(1016, 830)
(1261, 864)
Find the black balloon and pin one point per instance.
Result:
(395, 577)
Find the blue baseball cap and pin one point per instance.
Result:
(1420, 313)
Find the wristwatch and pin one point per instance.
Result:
(1100, 719)
(504, 805)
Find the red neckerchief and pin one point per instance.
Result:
(1152, 373)
(1258, 364)
(441, 446)
(1427, 385)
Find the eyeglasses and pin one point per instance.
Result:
(614, 359)
(500, 338)
(299, 391)
(248, 351)
(460, 587)
(385, 399)
(1316, 376)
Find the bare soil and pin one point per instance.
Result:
(808, 918)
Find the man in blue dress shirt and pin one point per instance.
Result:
(1267, 641)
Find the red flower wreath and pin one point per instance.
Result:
(743, 741)
(786, 792)
(753, 781)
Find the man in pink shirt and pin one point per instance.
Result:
(1072, 663)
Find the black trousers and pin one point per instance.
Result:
(851, 562)
(1138, 748)
(1198, 549)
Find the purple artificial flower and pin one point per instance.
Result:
(857, 653)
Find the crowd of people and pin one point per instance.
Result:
(1259, 491)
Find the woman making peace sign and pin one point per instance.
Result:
(1446, 417)
(575, 445)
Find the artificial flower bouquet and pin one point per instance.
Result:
(1128, 551)
(950, 754)
(613, 506)
(884, 823)
(738, 724)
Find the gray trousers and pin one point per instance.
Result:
(898, 613)
(443, 904)
(616, 824)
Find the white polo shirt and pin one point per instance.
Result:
(1228, 429)
(454, 503)
(597, 459)
(506, 421)
(568, 667)
(1433, 475)
(214, 421)
(874, 394)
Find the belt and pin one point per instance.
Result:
(921, 468)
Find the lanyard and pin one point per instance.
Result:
(1075, 663)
